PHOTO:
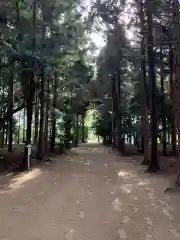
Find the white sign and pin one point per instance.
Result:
(29, 147)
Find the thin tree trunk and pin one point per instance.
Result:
(53, 136)
(169, 134)
(145, 120)
(24, 125)
(163, 104)
(40, 150)
(83, 128)
(120, 137)
(46, 148)
(6, 138)
(2, 113)
(36, 120)
(68, 124)
(113, 114)
(47, 113)
(10, 109)
(29, 103)
(36, 108)
(19, 127)
(2, 136)
(172, 95)
(76, 130)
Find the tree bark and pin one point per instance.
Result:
(47, 114)
(145, 120)
(176, 7)
(163, 118)
(40, 150)
(36, 119)
(24, 124)
(153, 164)
(172, 96)
(120, 145)
(113, 96)
(83, 128)
(76, 130)
(10, 109)
(53, 131)
(29, 102)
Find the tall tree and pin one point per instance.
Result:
(153, 165)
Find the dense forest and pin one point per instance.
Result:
(45, 75)
(140, 78)
(50, 77)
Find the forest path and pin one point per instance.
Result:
(88, 194)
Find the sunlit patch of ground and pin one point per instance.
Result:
(122, 234)
(70, 234)
(19, 181)
(117, 205)
(125, 175)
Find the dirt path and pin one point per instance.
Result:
(90, 194)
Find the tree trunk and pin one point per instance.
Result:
(10, 109)
(172, 96)
(29, 103)
(163, 118)
(46, 148)
(120, 144)
(169, 134)
(6, 138)
(40, 150)
(153, 164)
(24, 125)
(2, 136)
(19, 128)
(83, 128)
(145, 120)
(47, 114)
(36, 119)
(36, 108)
(68, 124)
(113, 96)
(176, 7)
(2, 113)
(53, 131)
(76, 130)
